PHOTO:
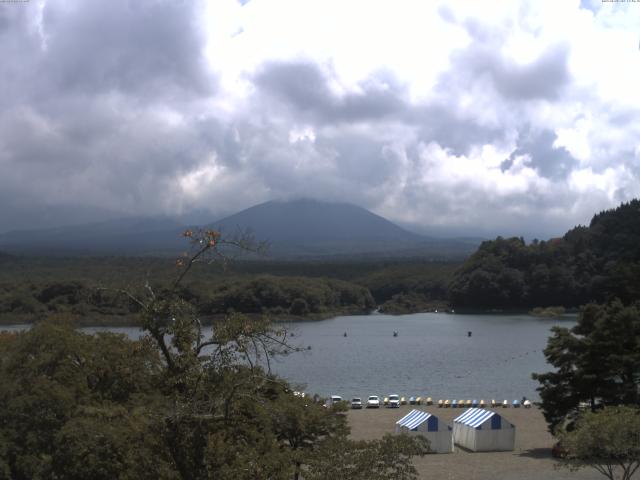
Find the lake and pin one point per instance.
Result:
(431, 356)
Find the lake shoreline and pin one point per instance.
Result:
(122, 321)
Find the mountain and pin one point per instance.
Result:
(311, 222)
(293, 229)
(128, 235)
(311, 228)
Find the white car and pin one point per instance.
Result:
(394, 401)
(373, 401)
(356, 403)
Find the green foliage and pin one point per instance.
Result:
(597, 361)
(32, 287)
(389, 457)
(608, 441)
(291, 295)
(595, 263)
(184, 402)
(54, 379)
(547, 312)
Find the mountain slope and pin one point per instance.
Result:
(293, 229)
(311, 221)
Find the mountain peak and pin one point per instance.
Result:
(307, 221)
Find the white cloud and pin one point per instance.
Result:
(464, 114)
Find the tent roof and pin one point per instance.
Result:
(413, 419)
(474, 417)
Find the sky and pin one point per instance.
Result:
(452, 118)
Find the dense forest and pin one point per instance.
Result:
(91, 288)
(588, 264)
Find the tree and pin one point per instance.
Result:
(389, 457)
(608, 441)
(198, 402)
(62, 391)
(303, 425)
(597, 361)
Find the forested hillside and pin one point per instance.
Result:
(594, 263)
(32, 288)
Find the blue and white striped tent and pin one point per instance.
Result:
(438, 433)
(482, 430)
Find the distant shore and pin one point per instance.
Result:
(127, 321)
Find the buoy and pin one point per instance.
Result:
(468, 334)
(345, 334)
(395, 333)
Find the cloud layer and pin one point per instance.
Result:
(502, 118)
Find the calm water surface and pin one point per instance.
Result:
(431, 356)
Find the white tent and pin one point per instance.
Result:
(423, 423)
(482, 430)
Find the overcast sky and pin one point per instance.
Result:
(464, 117)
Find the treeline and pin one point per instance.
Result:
(296, 296)
(589, 264)
(278, 297)
(90, 288)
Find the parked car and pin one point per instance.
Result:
(394, 401)
(333, 399)
(356, 403)
(373, 401)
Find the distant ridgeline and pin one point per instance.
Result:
(594, 263)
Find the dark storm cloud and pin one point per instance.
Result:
(304, 86)
(97, 105)
(551, 162)
(453, 130)
(142, 48)
(544, 78)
